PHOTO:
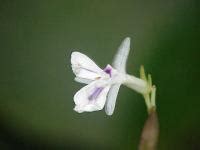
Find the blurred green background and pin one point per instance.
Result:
(36, 81)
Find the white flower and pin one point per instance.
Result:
(103, 84)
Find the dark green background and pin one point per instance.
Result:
(36, 81)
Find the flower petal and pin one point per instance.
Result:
(84, 67)
(82, 80)
(121, 56)
(111, 99)
(90, 98)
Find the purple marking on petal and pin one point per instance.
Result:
(108, 70)
(96, 93)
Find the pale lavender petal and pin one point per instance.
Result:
(91, 97)
(82, 80)
(84, 67)
(121, 56)
(111, 99)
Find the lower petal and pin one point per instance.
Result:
(91, 97)
(111, 99)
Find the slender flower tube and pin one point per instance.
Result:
(103, 84)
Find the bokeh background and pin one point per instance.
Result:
(36, 81)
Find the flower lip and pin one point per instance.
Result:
(91, 97)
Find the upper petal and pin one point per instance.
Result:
(90, 98)
(83, 80)
(121, 56)
(84, 67)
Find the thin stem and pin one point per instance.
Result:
(147, 101)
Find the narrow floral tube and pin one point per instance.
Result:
(136, 84)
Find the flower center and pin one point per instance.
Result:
(108, 70)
